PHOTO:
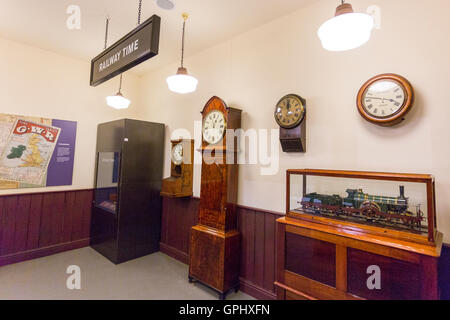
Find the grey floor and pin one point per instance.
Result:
(154, 277)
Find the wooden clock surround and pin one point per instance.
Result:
(179, 184)
(215, 241)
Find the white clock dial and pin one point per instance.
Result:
(177, 154)
(384, 98)
(214, 127)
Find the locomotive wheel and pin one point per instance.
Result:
(370, 210)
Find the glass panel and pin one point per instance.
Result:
(106, 191)
(391, 204)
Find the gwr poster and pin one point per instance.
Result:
(36, 152)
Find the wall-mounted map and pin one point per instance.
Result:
(36, 152)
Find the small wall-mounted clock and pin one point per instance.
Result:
(290, 114)
(385, 99)
(179, 184)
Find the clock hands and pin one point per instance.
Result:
(384, 99)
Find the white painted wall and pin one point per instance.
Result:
(40, 83)
(253, 70)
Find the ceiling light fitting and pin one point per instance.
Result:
(118, 101)
(182, 82)
(347, 30)
(165, 4)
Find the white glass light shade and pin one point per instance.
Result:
(165, 4)
(346, 31)
(118, 101)
(182, 82)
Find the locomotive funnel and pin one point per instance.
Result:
(402, 192)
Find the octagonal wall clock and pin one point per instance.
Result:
(385, 99)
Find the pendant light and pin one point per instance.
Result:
(182, 82)
(165, 4)
(347, 30)
(118, 101)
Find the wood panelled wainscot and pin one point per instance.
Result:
(35, 225)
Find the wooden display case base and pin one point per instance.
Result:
(214, 259)
(322, 261)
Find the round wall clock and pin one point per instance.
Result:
(214, 125)
(177, 154)
(385, 99)
(290, 111)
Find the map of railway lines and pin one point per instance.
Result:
(26, 147)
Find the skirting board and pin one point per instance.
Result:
(43, 252)
(255, 291)
(174, 253)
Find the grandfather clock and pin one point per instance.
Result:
(215, 241)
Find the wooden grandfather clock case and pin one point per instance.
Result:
(215, 241)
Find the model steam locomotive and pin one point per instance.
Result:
(357, 204)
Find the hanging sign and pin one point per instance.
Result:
(136, 47)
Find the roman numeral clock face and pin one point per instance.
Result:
(214, 126)
(384, 99)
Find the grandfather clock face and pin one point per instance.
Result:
(214, 126)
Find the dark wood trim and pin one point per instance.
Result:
(43, 252)
(174, 253)
(295, 292)
(255, 291)
(43, 192)
(261, 210)
(341, 268)
(407, 177)
(240, 206)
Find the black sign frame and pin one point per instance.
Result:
(151, 50)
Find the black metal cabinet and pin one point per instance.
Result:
(126, 214)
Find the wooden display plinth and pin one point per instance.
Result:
(332, 262)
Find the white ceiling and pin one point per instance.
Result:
(42, 23)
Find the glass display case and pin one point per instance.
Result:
(126, 212)
(106, 190)
(390, 204)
